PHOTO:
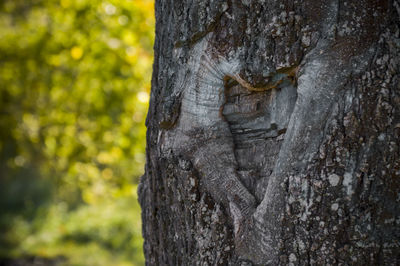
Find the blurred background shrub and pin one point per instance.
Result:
(74, 90)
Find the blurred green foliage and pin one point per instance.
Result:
(74, 89)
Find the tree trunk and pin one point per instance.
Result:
(273, 134)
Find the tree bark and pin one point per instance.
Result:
(273, 134)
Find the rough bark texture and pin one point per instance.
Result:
(273, 134)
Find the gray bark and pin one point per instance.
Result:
(273, 134)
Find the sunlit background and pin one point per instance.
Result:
(74, 90)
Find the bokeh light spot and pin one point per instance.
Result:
(76, 52)
(143, 97)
